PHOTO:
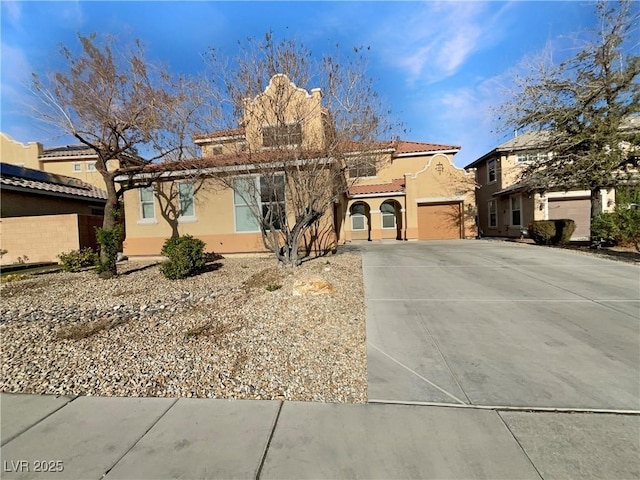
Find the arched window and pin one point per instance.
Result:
(388, 211)
(358, 216)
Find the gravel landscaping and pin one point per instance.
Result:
(245, 328)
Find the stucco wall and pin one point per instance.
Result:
(43, 238)
(17, 153)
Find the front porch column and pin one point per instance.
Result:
(376, 225)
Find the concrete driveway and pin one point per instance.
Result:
(501, 324)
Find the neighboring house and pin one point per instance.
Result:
(44, 214)
(505, 207)
(413, 191)
(76, 161)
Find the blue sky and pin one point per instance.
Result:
(439, 65)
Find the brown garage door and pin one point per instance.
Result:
(577, 209)
(439, 221)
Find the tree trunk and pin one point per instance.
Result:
(596, 209)
(289, 253)
(110, 220)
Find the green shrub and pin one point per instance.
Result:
(551, 232)
(564, 229)
(109, 240)
(606, 227)
(76, 260)
(542, 231)
(185, 257)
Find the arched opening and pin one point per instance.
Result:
(360, 218)
(391, 212)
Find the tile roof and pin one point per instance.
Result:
(396, 186)
(66, 151)
(232, 132)
(404, 147)
(39, 181)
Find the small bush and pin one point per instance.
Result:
(564, 229)
(606, 227)
(109, 240)
(185, 257)
(542, 231)
(76, 260)
(551, 232)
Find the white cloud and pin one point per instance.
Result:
(12, 10)
(440, 38)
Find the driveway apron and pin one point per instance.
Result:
(495, 323)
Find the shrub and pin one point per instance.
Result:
(564, 229)
(76, 260)
(606, 227)
(542, 231)
(551, 232)
(109, 240)
(185, 257)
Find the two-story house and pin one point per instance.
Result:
(410, 191)
(506, 207)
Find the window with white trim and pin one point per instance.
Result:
(91, 166)
(491, 171)
(358, 217)
(263, 194)
(516, 210)
(493, 213)
(185, 200)
(147, 204)
(531, 157)
(388, 212)
(77, 167)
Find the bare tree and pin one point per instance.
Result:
(113, 100)
(584, 107)
(306, 124)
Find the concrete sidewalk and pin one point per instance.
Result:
(134, 438)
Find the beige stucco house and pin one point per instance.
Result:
(506, 208)
(411, 191)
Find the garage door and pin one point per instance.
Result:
(577, 209)
(439, 221)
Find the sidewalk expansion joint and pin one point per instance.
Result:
(266, 448)
(507, 408)
(13, 437)
(141, 437)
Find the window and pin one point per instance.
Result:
(274, 136)
(267, 194)
(388, 215)
(358, 217)
(362, 169)
(185, 200)
(531, 157)
(91, 166)
(77, 167)
(491, 171)
(516, 211)
(272, 200)
(493, 214)
(215, 150)
(147, 206)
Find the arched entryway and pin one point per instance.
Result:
(360, 221)
(391, 221)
